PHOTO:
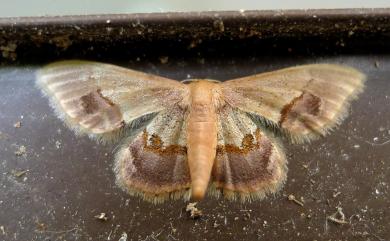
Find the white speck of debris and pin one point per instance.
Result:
(364, 210)
(215, 225)
(377, 192)
(21, 117)
(338, 217)
(375, 139)
(188, 76)
(345, 157)
(21, 151)
(18, 124)
(242, 10)
(102, 217)
(292, 198)
(357, 146)
(108, 21)
(123, 237)
(2, 230)
(193, 210)
(58, 144)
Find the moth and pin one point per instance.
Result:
(184, 139)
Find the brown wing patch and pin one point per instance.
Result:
(94, 112)
(248, 144)
(153, 143)
(94, 101)
(306, 103)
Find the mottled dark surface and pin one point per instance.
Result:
(69, 179)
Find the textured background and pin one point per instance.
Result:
(15, 8)
(54, 190)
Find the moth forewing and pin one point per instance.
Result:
(305, 102)
(102, 100)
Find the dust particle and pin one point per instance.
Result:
(21, 151)
(19, 173)
(338, 217)
(58, 144)
(164, 59)
(293, 199)
(123, 237)
(336, 194)
(102, 217)
(194, 212)
(18, 124)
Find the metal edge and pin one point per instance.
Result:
(197, 16)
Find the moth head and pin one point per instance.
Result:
(208, 87)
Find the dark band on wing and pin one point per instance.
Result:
(95, 101)
(156, 145)
(306, 103)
